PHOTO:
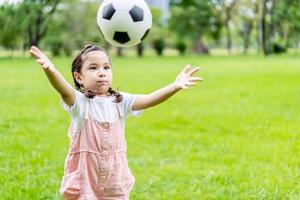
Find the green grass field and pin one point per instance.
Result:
(234, 136)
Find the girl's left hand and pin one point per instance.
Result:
(185, 79)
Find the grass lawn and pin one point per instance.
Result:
(234, 136)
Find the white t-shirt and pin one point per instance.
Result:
(101, 109)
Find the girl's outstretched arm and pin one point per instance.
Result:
(183, 81)
(56, 79)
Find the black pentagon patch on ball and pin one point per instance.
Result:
(121, 37)
(108, 11)
(137, 14)
(145, 34)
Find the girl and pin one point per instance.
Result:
(96, 165)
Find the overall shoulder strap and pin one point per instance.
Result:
(120, 111)
(86, 114)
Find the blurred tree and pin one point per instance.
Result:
(180, 45)
(156, 26)
(140, 49)
(268, 7)
(9, 27)
(159, 46)
(286, 20)
(34, 16)
(193, 19)
(280, 23)
(157, 31)
(257, 13)
(246, 13)
(229, 6)
(226, 9)
(160, 34)
(68, 31)
(120, 51)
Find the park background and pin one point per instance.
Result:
(233, 136)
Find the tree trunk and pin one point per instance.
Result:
(258, 27)
(199, 47)
(106, 46)
(272, 26)
(286, 33)
(31, 40)
(264, 28)
(120, 52)
(24, 47)
(228, 33)
(12, 52)
(140, 49)
(227, 25)
(247, 33)
(268, 30)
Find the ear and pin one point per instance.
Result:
(78, 77)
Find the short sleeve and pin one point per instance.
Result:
(127, 103)
(78, 107)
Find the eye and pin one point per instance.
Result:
(92, 67)
(106, 67)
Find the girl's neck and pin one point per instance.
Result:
(102, 95)
(91, 94)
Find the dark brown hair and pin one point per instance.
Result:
(77, 65)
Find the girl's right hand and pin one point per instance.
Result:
(41, 58)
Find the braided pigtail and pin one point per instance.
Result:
(118, 95)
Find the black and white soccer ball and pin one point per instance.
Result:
(124, 23)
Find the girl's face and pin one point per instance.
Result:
(96, 73)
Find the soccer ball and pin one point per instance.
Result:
(124, 23)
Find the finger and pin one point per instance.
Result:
(33, 46)
(36, 49)
(45, 66)
(185, 87)
(34, 54)
(190, 84)
(33, 49)
(186, 68)
(193, 71)
(195, 79)
(40, 61)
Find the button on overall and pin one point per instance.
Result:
(105, 125)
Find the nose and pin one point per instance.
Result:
(101, 73)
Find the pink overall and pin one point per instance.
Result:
(96, 167)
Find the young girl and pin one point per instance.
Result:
(96, 166)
